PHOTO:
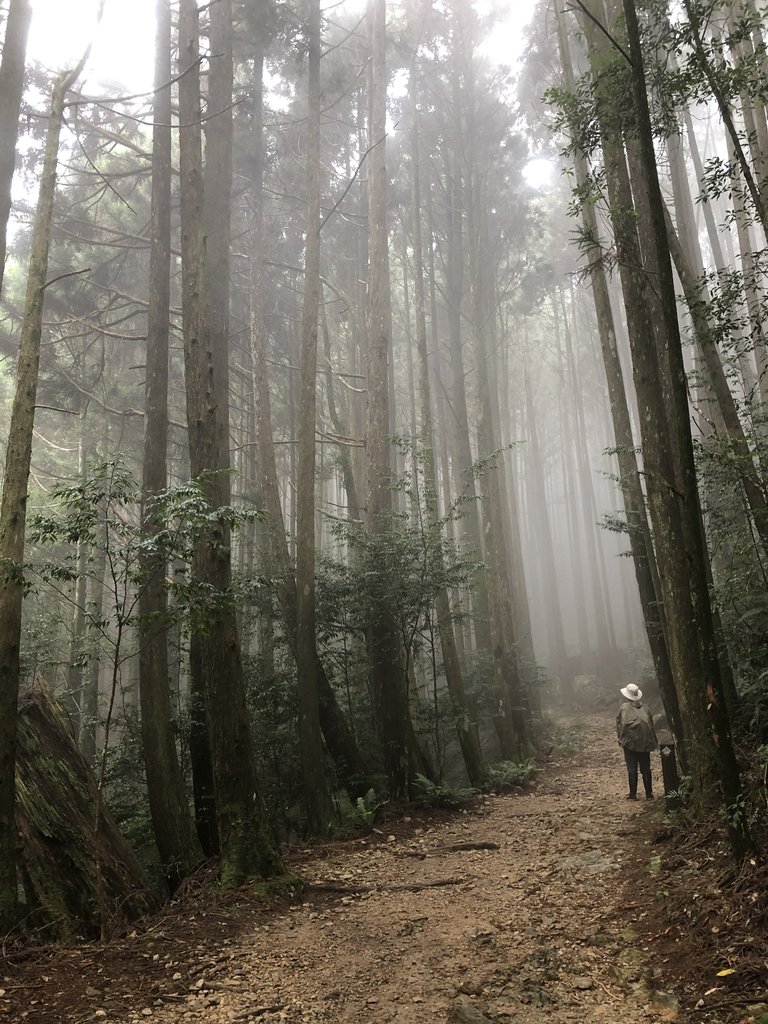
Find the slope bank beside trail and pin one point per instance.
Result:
(524, 910)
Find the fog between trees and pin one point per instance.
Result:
(338, 454)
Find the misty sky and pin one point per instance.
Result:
(123, 50)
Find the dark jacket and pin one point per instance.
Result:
(634, 727)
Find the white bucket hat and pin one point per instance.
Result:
(632, 692)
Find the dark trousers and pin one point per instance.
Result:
(638, 759)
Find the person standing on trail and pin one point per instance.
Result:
(637, 738)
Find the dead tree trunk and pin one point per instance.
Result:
(56, 811)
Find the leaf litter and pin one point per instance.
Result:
(526, 908)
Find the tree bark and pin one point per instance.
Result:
(549, 582)
(247, 849)
(11, 90)
(755, 192)
(14, 499)
(55, 814)
(388, 679)
(686, 587)
(339, 737)
(90, 719)
(641, 543)
(317, 794)
(176, 842)
(468, 734)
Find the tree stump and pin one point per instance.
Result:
(75, 881)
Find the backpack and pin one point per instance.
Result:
(635, 728)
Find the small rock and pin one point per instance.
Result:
(583, 984)
(471, 987)
(483, 936)
(146, 1012)
(466, 1013)
(665, 1002)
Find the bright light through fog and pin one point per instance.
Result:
(538, 173)
(506, 42)
(123, 47)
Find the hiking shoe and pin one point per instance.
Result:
(630, 797)
(649, 796)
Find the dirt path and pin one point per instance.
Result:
(530, 931)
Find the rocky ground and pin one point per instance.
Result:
(553, 905)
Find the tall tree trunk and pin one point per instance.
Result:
(387, 675)
(606, 642)
(90, 719)
(744, 466)
(168, 805)
(217, 205)
(756, 193)
(685, 587)
(13, 509)
(74, 685)
(512, 713)
(247, 848)
(11, 90)
(641, 543)
(339, 738)
(546, 545)
(469, 738)
(575, 539)
(751, 277)
(316, 791)
(201, 764)
(454, 290)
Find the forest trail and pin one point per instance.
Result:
(528, 932)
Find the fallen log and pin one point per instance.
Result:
(463, 847)
(450, 848)
(352, 890)
(61, 851)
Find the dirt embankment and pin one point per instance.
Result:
(529, 908)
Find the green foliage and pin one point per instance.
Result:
(103, 514)
(365, 809)
(569, 741)
(126, 795)
(271, 693)
(736, 814)
(396, 574)
(431, 794)
(43, 641)
(399, 571)
(683, 791)
(510, 774)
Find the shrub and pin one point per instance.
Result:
(508, 774)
